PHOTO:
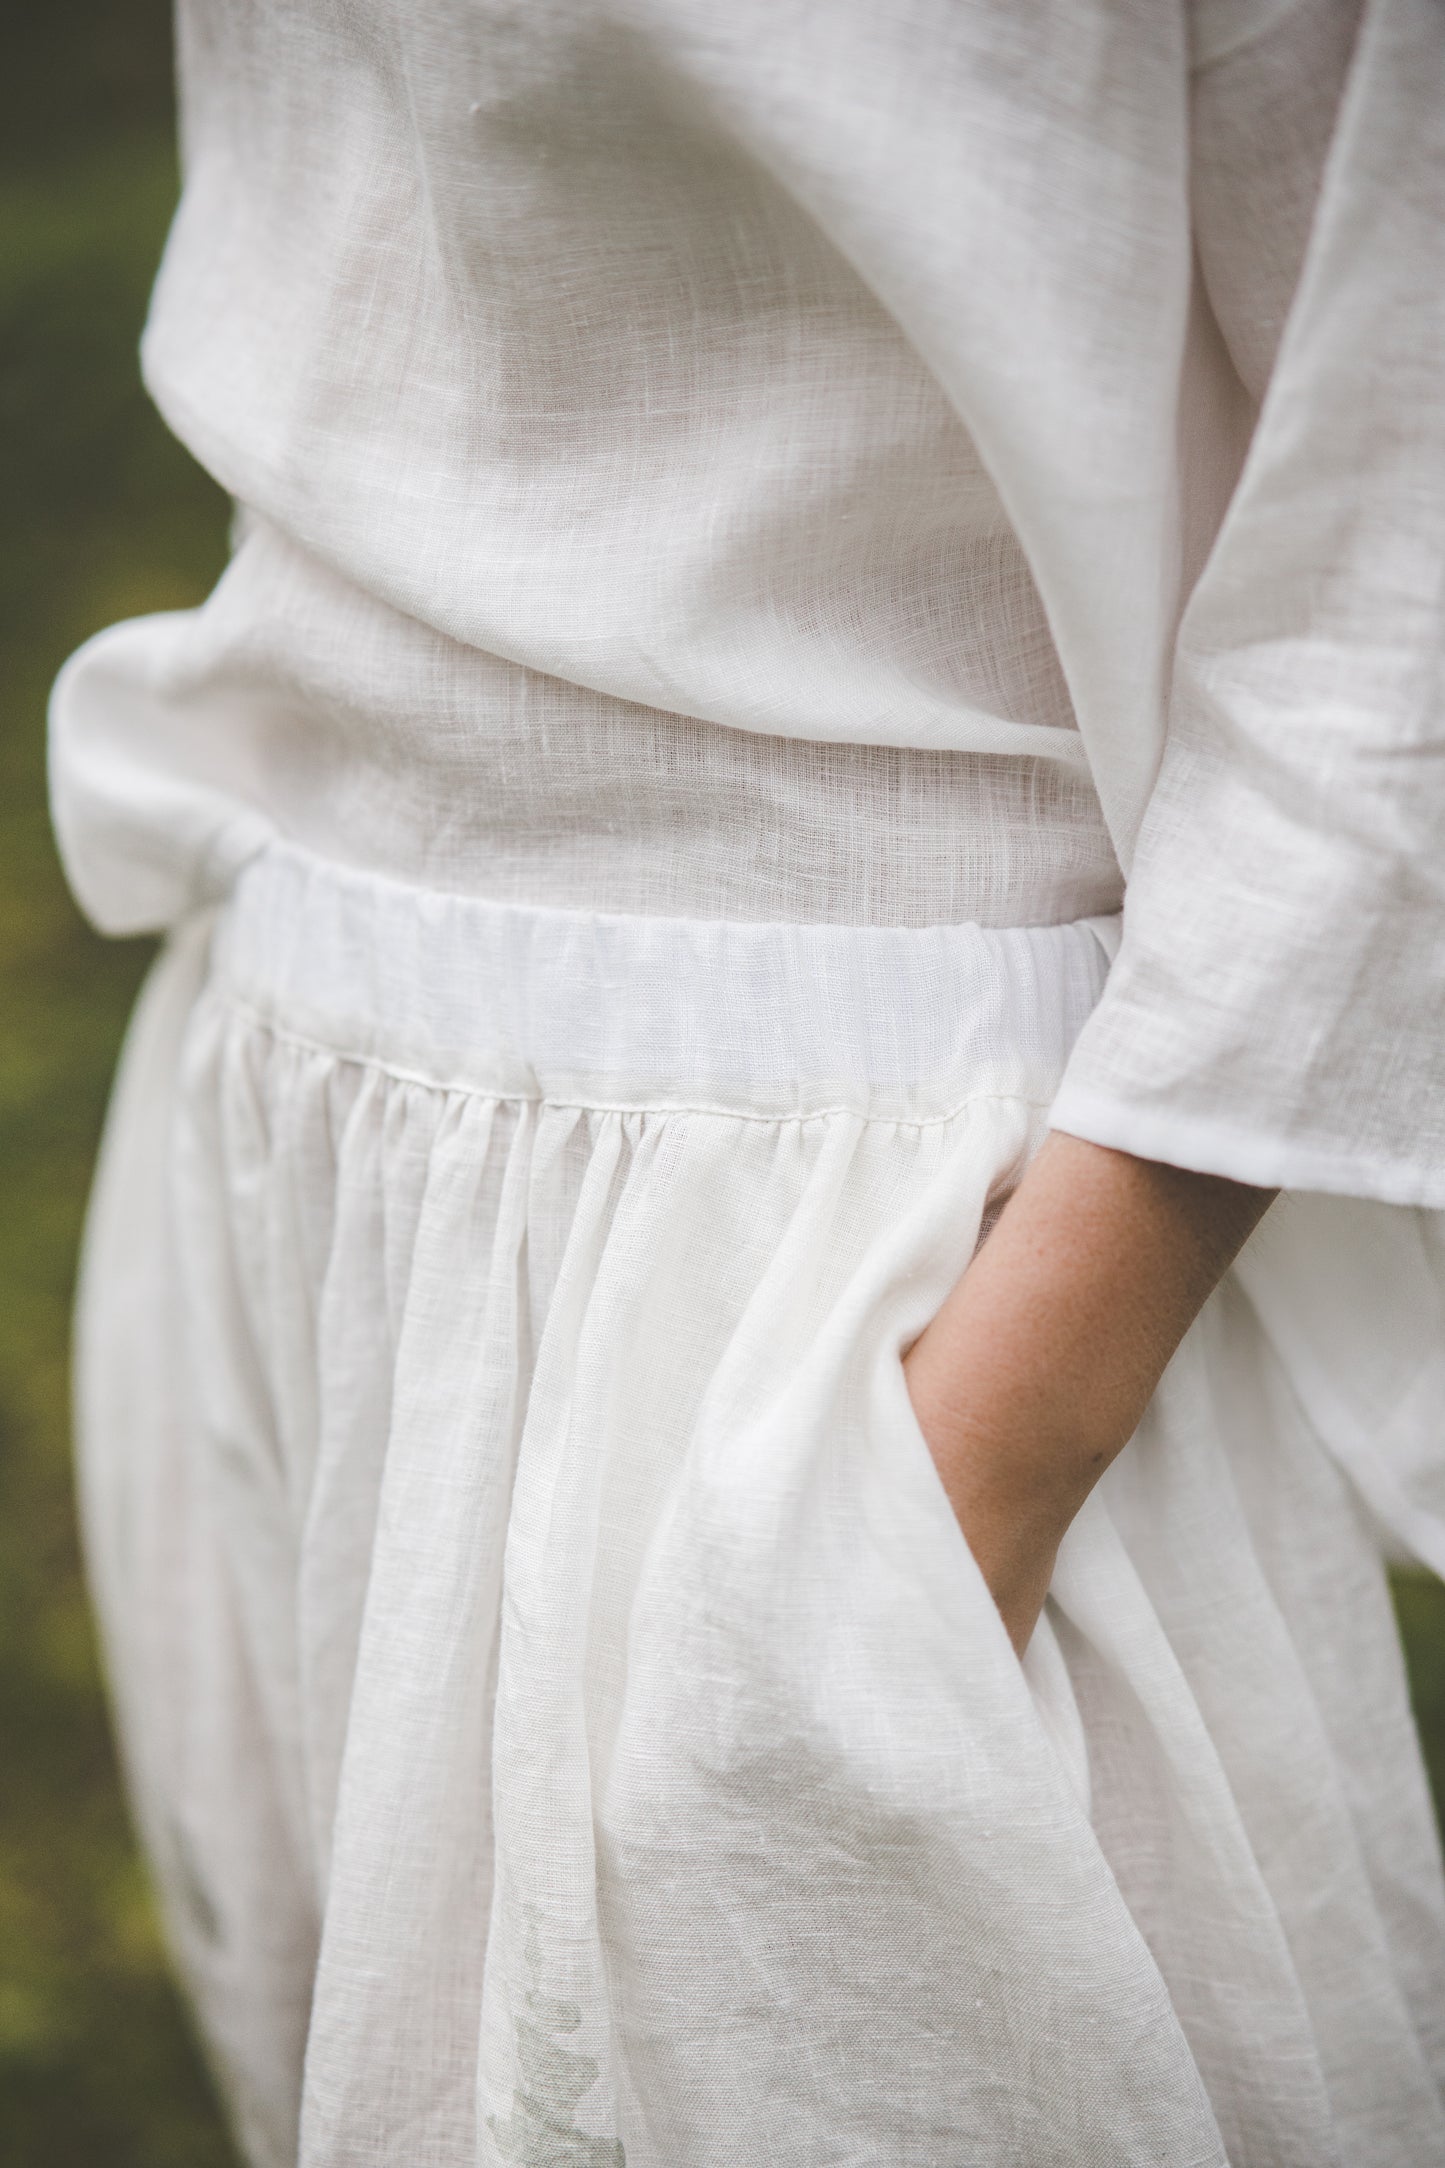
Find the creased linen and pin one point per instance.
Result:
(751, 521)
(634, 387)
(565, 1716)
(1284, 942)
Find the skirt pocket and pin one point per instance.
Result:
(804, 1820)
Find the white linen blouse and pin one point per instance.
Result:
(895, 462)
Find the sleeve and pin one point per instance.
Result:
(1276, 1012)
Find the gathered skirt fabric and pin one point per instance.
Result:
(564, 1717)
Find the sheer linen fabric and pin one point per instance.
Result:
(567, 1720)
(754, 520)
(320, 711)
(1058, 384)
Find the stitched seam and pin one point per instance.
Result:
(287, 1035)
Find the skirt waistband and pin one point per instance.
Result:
(774, 1021)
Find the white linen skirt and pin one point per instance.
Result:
(564, 1717)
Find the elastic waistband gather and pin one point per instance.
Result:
(600, 1009)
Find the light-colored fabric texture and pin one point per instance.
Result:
(1284, 946)
(646, 390)
(567, 1721)
(753, 520)
(296, 700)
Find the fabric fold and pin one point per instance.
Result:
(565, 1718)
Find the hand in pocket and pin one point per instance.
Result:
(1036, 1370)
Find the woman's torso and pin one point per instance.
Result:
(668, 489)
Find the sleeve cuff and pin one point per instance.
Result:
(1213, 1146)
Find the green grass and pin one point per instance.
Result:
(104, 517)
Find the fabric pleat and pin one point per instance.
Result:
(565, 1718)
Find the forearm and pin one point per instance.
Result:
(1035, 1372)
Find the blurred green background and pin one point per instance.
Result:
(104, 517)
(101, 516)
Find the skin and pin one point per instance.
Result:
(1037, 1369)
